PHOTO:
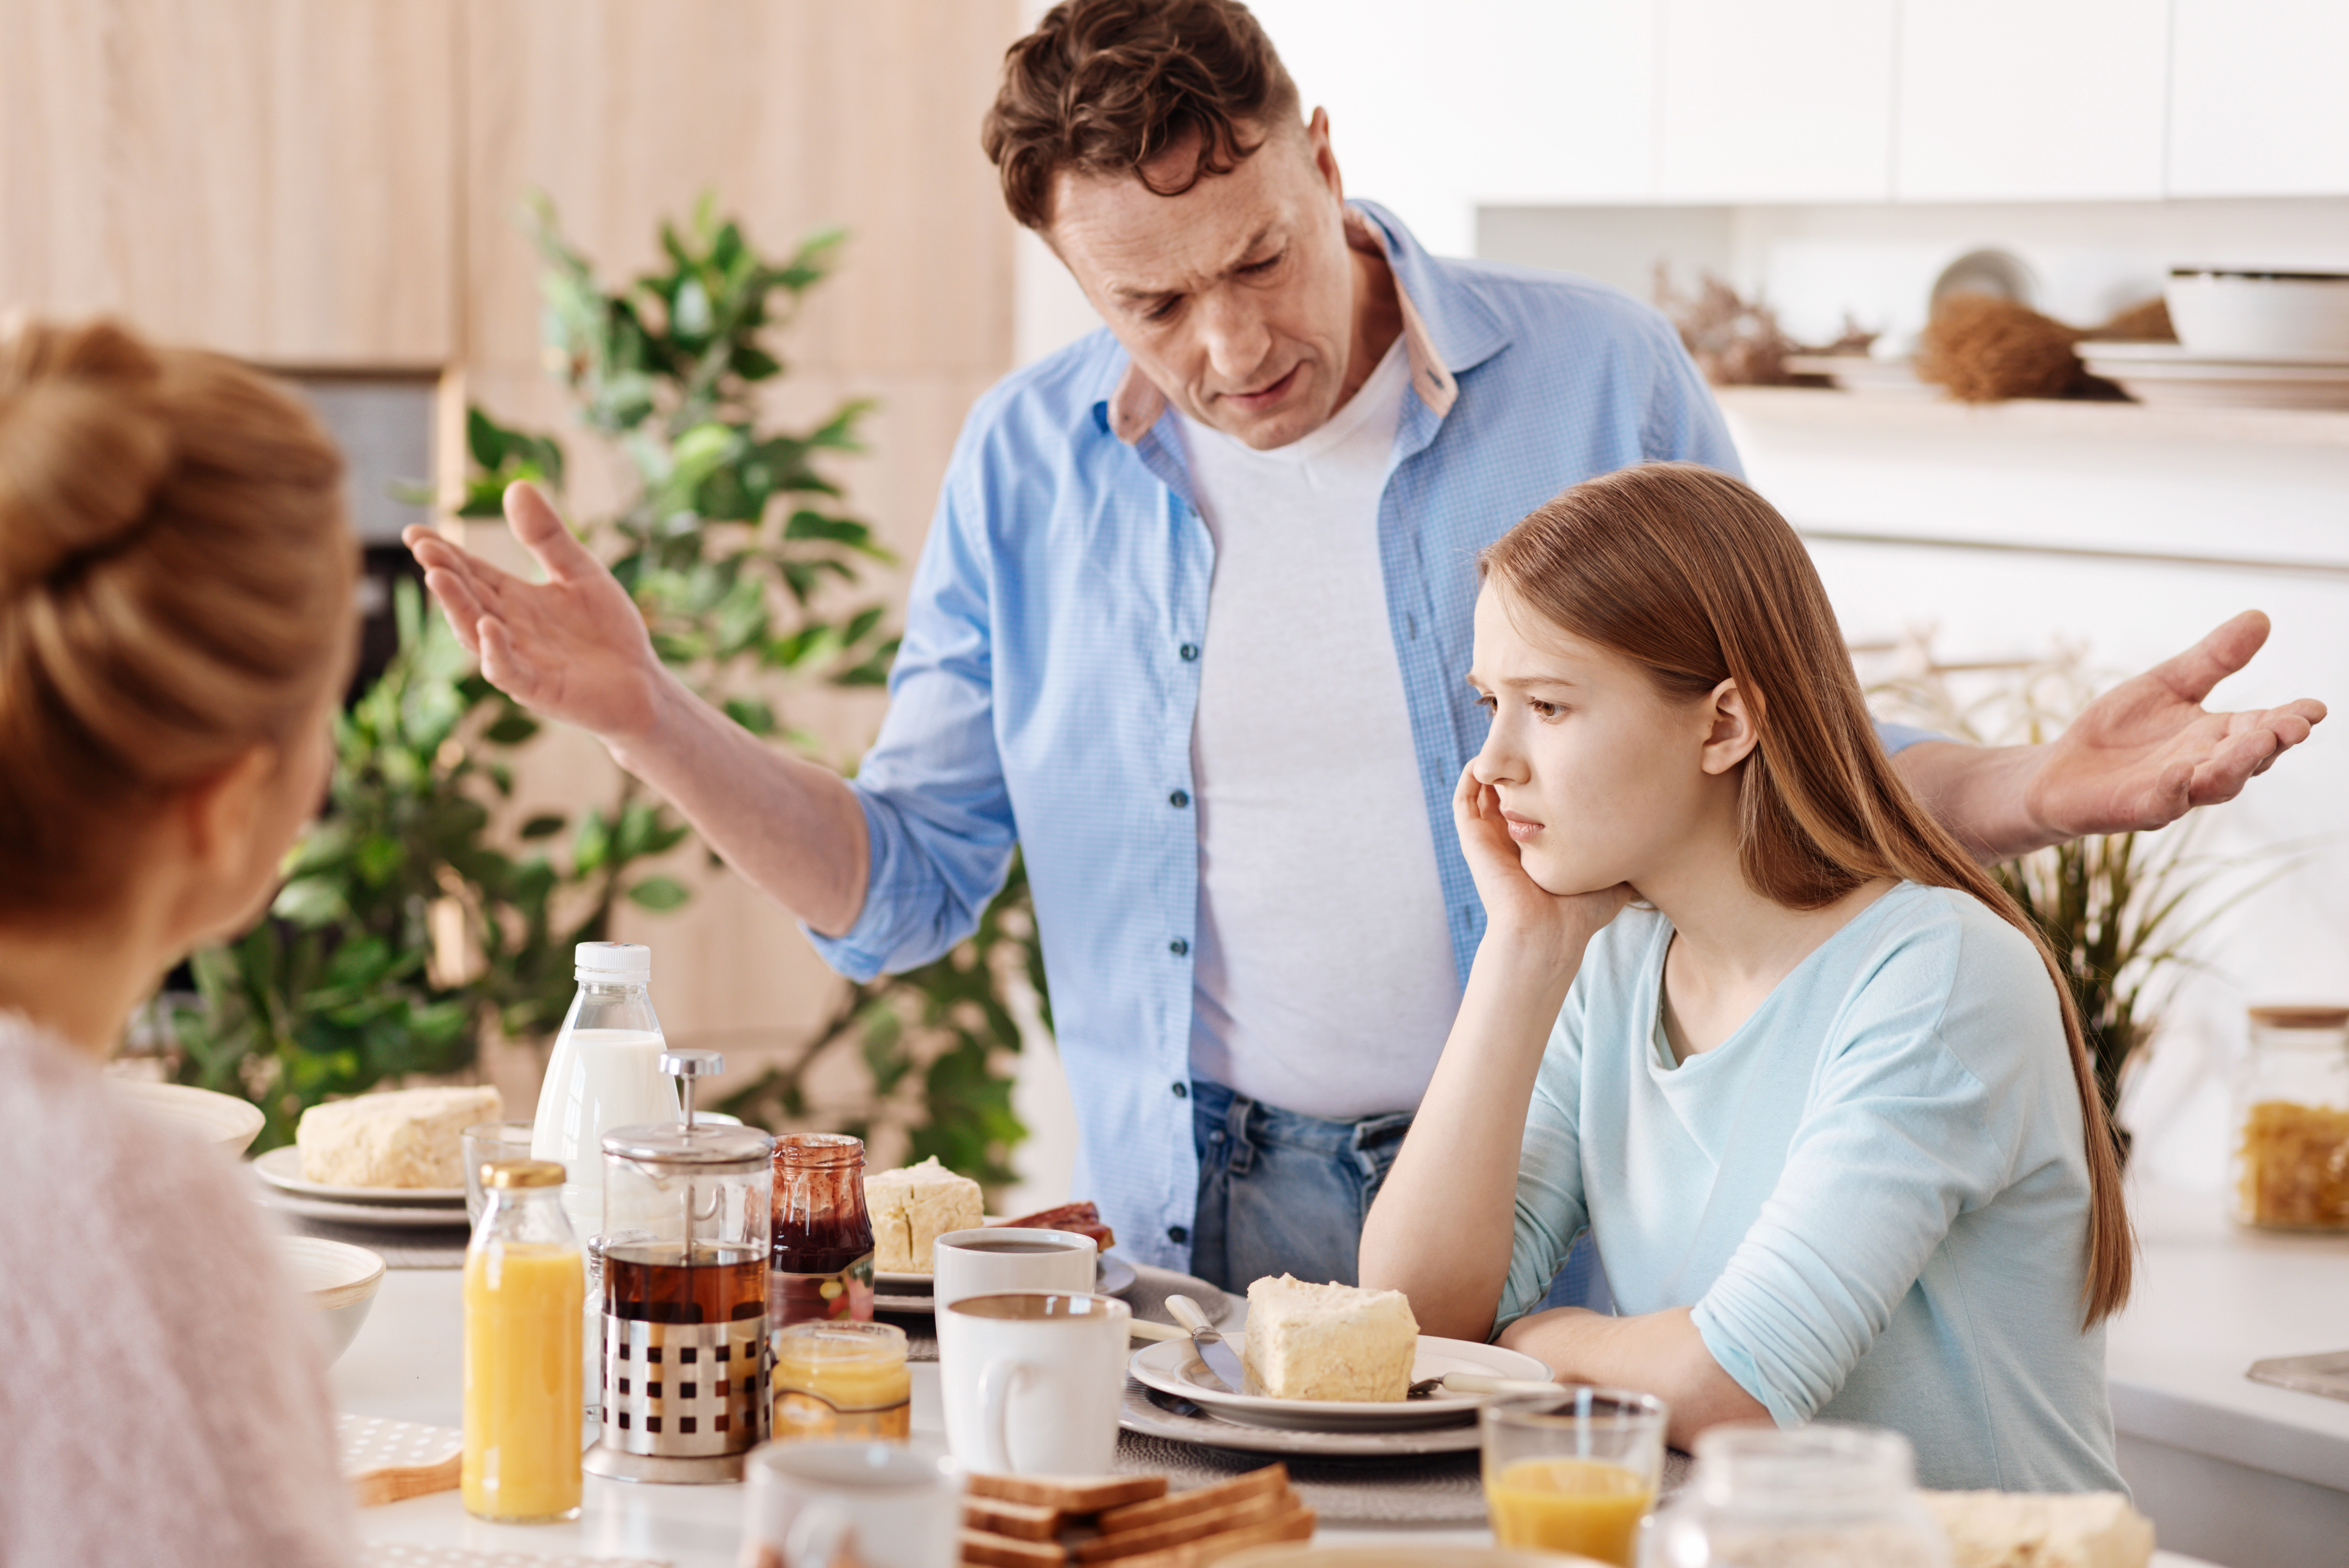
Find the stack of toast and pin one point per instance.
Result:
(1126, 1521)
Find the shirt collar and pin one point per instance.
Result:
(1444, 324)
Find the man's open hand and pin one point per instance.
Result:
(2145, 752)
(573, 647)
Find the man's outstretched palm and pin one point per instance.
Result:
(2145, 751)
(573, 647)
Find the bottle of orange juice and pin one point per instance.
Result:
(524, 1280)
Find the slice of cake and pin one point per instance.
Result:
(2043, 1530)
(406, 1138)
(1329, 1341)
(913, 1208)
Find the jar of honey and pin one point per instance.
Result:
(2291, 1121)
(842, 1381)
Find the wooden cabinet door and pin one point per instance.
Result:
(270, 177)
(2260, 99)
(1775, 100)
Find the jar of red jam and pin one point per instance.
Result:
(822, 1264)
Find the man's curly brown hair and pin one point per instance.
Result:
(1106, 86)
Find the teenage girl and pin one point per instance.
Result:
(1749, 1013)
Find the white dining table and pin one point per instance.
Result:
(406, 1365)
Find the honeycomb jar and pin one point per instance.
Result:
(2291, 1154)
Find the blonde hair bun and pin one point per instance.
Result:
(78, 457)
(176, 576)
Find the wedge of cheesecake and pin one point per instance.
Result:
(914, 1207)
(1327, 1341)
(405, 1137)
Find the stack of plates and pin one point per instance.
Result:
(406, 1207)
(2171, 375)
(1189, 1405)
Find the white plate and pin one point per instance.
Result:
(911, 1293)
(1173, 1368)
(282, 1169)
(397, 1216)
(1190, 1423)
(221, 1118)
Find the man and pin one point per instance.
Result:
(1191, 625)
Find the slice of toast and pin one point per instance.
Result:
(1068, 1494)
(1271, 1479)
(1200, 1525)
(986, 1548)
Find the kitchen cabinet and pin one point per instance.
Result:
(270, 177)
(2258, 103)
(2001, 100)
(1787, 101)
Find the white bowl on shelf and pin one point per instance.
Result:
(2252, 313)
(339, 1280)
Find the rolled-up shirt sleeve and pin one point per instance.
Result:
(1551, 1211)
(938, 814)
(1901, 1138)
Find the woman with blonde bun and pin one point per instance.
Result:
(176, 577)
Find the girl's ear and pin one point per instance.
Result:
(1732, 737)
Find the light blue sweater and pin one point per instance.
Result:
(1873, 1194)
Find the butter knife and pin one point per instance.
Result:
(1222, 1367)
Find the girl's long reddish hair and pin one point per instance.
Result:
(1690, 573)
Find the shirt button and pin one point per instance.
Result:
(1178, 947)
(1178, 799)
(1189, 651)
(1182, 1090)
(1178, 1234)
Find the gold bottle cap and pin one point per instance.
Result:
(523, 1173)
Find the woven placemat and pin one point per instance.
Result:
(1151, 1286)
(1427, 1488)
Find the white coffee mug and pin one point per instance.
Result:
(1033, 1381)
(879, 1505)
(996, 1258)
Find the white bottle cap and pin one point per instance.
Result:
(613, 963)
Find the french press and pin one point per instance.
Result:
(685, 1365)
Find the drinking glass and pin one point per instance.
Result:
(1575, 1470)
(486, 1142)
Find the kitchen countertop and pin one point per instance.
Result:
(2212, 1299)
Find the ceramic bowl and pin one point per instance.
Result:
(2255, 315)
(339, 1279)
(221, 1118)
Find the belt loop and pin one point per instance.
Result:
(1240, 1156)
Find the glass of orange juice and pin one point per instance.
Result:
(1574, 1470)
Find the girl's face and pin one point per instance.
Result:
(1601, 776)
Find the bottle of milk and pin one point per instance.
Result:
(605, 1072)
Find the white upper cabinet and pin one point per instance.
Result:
(1774, 101)
(2260, 99)
(2031, 100)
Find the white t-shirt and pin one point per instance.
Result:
(1324, 979)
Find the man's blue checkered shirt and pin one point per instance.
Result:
(1046, 687)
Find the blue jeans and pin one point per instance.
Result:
(1281, 1192)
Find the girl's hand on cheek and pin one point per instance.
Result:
(1514, 904)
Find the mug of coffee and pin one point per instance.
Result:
(1033, 1380)
(875, 1505)
(998, 1258)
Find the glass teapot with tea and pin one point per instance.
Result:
(687, 1216)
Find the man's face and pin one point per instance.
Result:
(1237, 298)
